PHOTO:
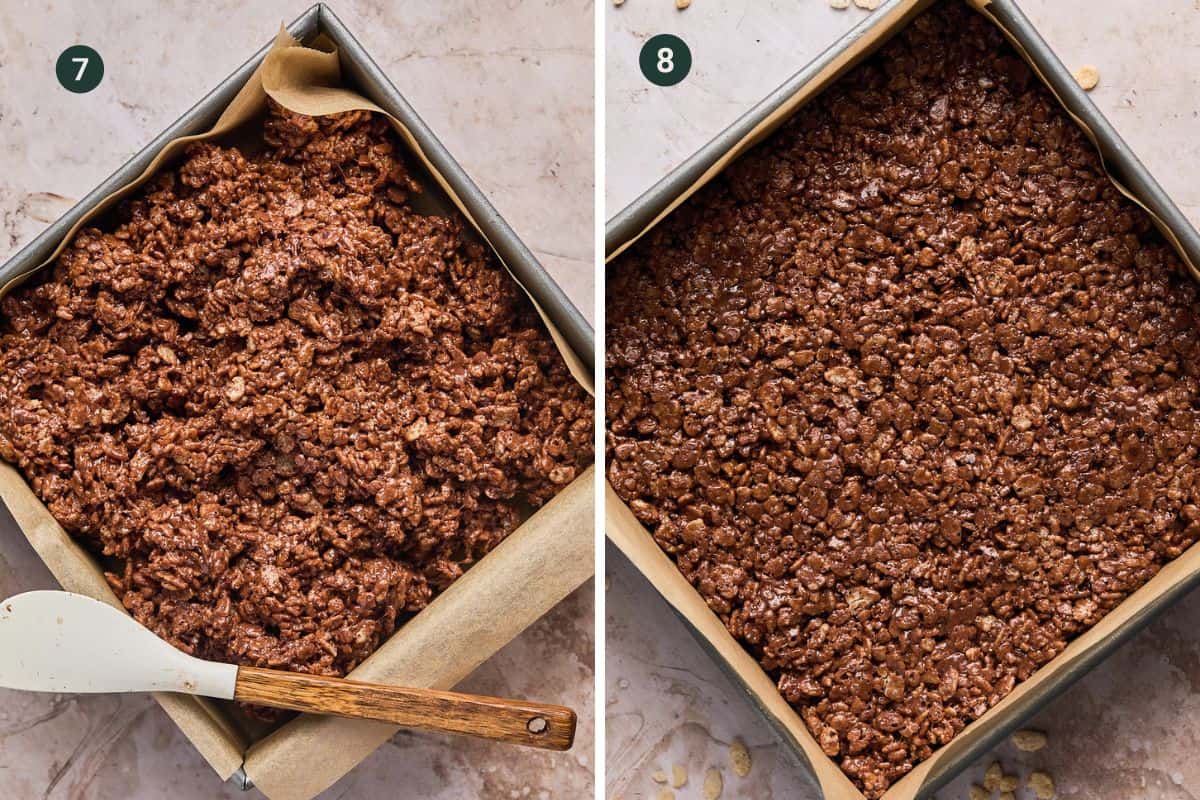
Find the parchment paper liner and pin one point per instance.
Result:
(544, 560)
(623, 528)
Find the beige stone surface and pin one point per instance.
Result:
(1131, 728)
(508, 89)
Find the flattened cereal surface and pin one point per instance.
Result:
(909, 393)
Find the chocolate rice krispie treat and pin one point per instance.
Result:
(285, 408)
(909, 393)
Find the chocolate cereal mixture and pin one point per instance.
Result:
(911, 394)
(286, 406)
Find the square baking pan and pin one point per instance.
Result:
(547, 581)
(1087, 650)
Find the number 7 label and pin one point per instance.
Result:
(79, 69)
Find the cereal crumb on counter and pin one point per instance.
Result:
(682, 4)
(714, 784)
(839, 4)
(993, 777)
(665, 794)
(869, 5)
(739, 758)
(679, 776)
(1029, 741)
(1088, 77)
(658, 776)
(1042, 785)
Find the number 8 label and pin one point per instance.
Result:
(665, 60)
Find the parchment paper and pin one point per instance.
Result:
(544, 560)
(623, 528)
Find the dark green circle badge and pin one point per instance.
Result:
(79, 69)
(665, 60)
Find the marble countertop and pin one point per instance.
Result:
(507, 87)
(1129, 729)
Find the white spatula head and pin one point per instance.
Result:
(63, 642)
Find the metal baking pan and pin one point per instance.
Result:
(659, 201)
(361, 72)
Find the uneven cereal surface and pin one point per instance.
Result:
(285, 407)
(909, 394)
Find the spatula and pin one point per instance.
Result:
(63, 642)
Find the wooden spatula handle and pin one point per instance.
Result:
(515, 721)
